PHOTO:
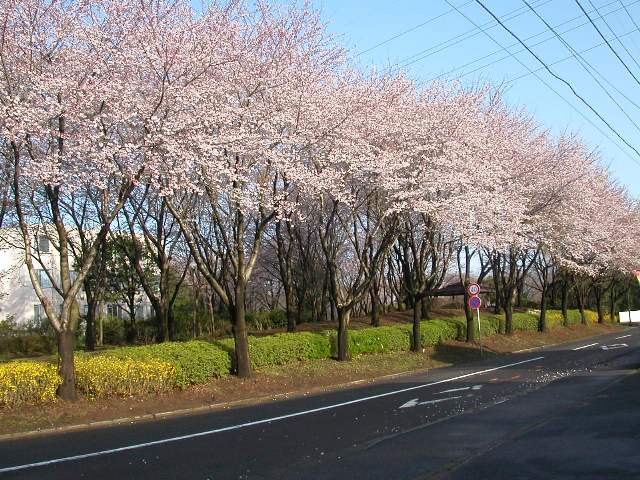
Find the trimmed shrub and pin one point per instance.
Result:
(554, 318)
(265, 320)
(525, 321)
(283, 348)
(27, 383)
(434, 332)
(102, 376)
(195, 361)
(374, 340)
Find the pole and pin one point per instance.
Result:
(479, 332)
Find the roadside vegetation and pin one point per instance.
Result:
(153, 369)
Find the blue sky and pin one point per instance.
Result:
(364, 24)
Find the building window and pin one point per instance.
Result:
(43, 244)
(43, 278)
(38, 312)
(113, 310)
(140, 311)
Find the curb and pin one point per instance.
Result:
(204, 408)
(234, 403)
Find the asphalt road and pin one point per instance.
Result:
(571, 411)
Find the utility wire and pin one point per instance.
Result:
(526, 67)
(412, 29)
(614, 34)
(514, 79)
(606, 41)
(460, 37)
(535, 44)
(629, 14)
(582, 62)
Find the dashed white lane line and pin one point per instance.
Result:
(623, 336)
(585, 346)
(250, 424)
(451, 390)
(416, 401)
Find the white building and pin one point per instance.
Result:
(18, 299)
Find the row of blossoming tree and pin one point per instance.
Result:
(231, 134)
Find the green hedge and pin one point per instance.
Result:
(374, 340)
(434, 332)
(283, 348)
(155, 368)
(195, 361)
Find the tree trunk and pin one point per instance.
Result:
(542, 321)
(583, 315)
(66, 366)
(468, 313)
(243, 364)
(171, 324)
(598, 293)
(508, 317)
(291, 311)
(612, 304)
(426, 307)
(90, 330)
(565, 303)
(343, 334)
(498, 302)
(375, 311)
(212, 314)
(416, 339)
(519, 291)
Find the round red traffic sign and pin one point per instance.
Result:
(473, 289)
(475, 302)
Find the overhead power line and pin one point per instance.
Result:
(444, 45)
(412, 29)
(514, 79)
(583, 63)
(607, 42)
(529, 38)
(604, 20)
(626, 9)
(526, 67)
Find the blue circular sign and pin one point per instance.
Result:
(475, 302)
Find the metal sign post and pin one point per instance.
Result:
(474, 303)
(479, 332)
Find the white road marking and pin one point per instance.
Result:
(415, 402)
(614, 346)
(451, 390)
(251, 424)
(461, 389)
(623, 336)
(585, 346)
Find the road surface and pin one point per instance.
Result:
(571, 411)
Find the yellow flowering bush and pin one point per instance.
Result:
(27, 382)
(102, 376)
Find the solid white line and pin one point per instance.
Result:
(623, 336)
(585, 346)
(250, 424)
